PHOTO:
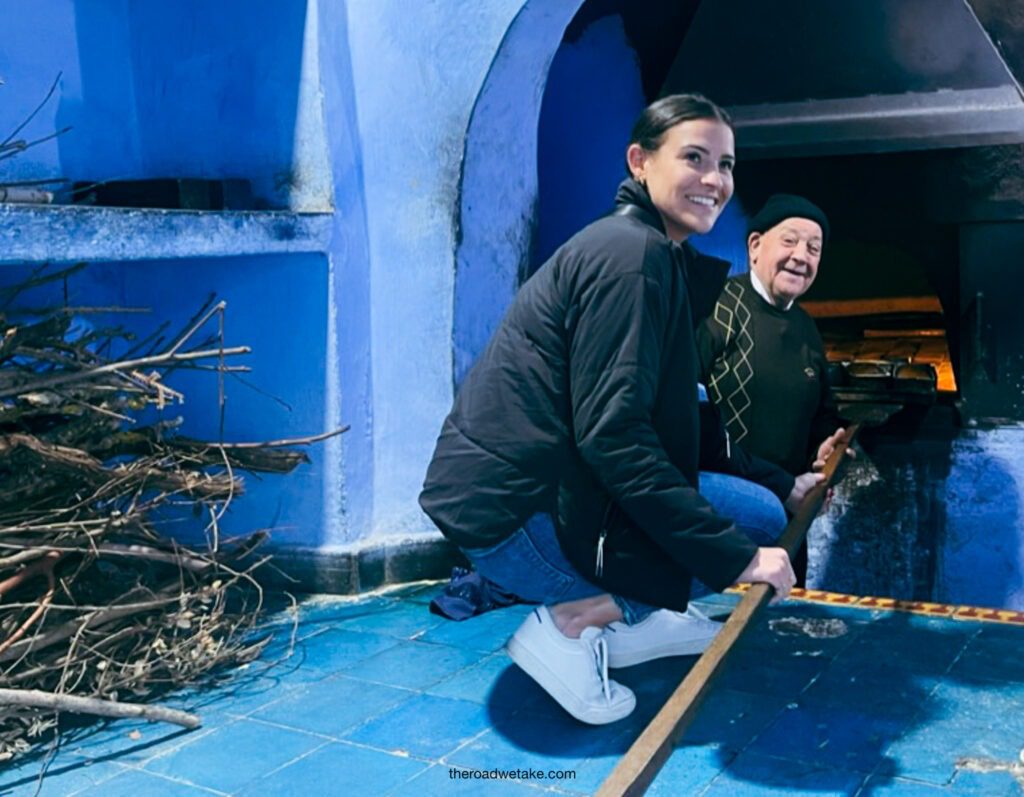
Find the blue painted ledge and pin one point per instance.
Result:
(33, 233)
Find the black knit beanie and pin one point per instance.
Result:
(780, 207)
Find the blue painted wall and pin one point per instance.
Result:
(728, 238)
(157, 89)
(372, 95)
(281, 397)
(425, 119)
(497, 201)
(592, 97)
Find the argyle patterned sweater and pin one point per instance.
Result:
(765, 369)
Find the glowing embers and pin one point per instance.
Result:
(892, 347)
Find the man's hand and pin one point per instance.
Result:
(803, 484)
(826, 448)
(771, 566)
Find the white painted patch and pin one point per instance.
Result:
(811, 627)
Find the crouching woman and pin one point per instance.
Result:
(584, 405)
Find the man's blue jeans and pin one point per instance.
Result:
(531, 564)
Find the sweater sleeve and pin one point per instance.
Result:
(826, 418)
(614, 361)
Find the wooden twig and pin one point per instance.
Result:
(51, 560)
(648, 754)
(35, 698)
(31, 116)
(45, 565)
(91, 620)
(292, 441)
(141, 362)
(194, 564)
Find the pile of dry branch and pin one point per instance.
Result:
(99, 609)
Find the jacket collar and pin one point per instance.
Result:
(633, 200)
(705, 275)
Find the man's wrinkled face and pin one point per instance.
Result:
(785, 258)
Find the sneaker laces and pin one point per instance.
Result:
(599, 649)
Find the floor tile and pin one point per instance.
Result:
(904, 699)
(590, 773)
(751, 774)
(135, 783)
(829, 736)
(329, 610)
(234, 698)
(901, 696)
(999, 782)
(331, 652)
(234, 755)
(63, 777)
(413, 665)
(748, 671)
(930, 752)
(425, 726)
(966, 784)
(993, 632)
(889, 647)
(129, 742)
(690, 770)
(495, 680)
(337, 768)
(731, 719)
(998, 705)
(403, 620)
(487, 632)
(992, 656)
(332, 706)
(539, 741)
(878, 786)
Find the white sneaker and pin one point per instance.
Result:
(662, 633)
(573, 671)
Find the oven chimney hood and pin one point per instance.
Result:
(839, 77)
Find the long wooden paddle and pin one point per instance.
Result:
(651, 750)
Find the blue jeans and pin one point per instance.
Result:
(531, 564)
(755, 509)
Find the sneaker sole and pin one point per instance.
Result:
(617, 661)
(551, 684)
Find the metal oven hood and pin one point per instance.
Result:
(835, 77)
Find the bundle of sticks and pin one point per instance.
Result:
(100, 609)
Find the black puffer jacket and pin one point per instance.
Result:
(587, 393)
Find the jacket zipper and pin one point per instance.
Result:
(599, 562)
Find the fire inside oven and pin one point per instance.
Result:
(887, 353)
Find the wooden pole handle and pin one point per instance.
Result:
(648, 754)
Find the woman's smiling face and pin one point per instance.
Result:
(689, 176)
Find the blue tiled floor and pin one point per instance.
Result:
(381, 697)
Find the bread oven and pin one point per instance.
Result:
(909, 134)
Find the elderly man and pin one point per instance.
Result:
(761, 357)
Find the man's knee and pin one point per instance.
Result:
(764, 521)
